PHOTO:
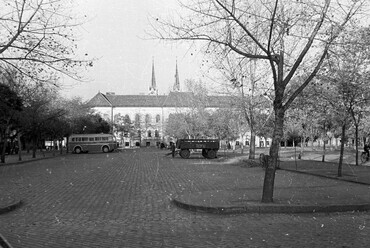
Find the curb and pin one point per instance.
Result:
(4, 243)
(324, 176)
(30, 160)
(10, 207)
(273, 208)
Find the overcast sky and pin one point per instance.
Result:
(114, 35)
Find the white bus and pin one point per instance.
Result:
(78, 143)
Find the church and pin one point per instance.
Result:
(148, 113)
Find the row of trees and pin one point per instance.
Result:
(227, 123)
(37, 48)
(292, 39)
(32, 114)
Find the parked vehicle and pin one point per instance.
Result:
(209, 147)
(78, 143)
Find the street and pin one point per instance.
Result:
(122, 199)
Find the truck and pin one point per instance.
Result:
(209, 147)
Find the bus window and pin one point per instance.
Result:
(78, 139)
(73, 139)
(97, 138)
(105, 138)
(84, 139)
(91, 139)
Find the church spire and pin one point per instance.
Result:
(176, 86)
(153, 87)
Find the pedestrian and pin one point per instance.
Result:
(173, 149)
(367, 150)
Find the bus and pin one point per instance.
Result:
(78, 143)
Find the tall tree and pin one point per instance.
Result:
(247, 78)
(347, 75)
(38, 39)
(39, 113)
(10, 103)
(223, 124)
(288, 34)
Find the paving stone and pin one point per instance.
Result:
(122, 199)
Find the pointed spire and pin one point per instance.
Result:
(153, 87)
(176, 86)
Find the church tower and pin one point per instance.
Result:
(153, 87)
(176, 86)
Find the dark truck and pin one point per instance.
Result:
(209, 147)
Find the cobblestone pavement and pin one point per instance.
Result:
(123, 200)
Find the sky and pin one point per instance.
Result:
(115, 35)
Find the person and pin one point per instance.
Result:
(173, 149)
(367, 150)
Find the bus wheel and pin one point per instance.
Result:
(105, 149)
(78, 150)
(185, 153)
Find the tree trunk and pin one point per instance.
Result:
(324, 145)
(61, 146)
(268, 184)
(2, 156)
(67, 142)
(279, 110)
(34, 147)
(356, 143)
(19, 146)
(252, 146)
(324, 151)
(302, 145)
(53, 147)
(4, 142)
(341, 150)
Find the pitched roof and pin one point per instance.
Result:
(178, 99)
(173, 99)
(136, 100)
(100, 100)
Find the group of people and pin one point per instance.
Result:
(173, 150)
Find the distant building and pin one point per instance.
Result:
(150, 112)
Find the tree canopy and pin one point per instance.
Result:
(38, 39)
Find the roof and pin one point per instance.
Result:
(100, 100)
(172, 100)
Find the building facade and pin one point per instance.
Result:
(147, 114)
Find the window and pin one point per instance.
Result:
(91, 139)
(149, 133)
(137, 120)
(85, 139)
(97, 138)
(157, 118)
(105, 138)
(148, 119)
(236, 143)
(156, 133)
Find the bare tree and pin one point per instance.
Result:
(251, 98)
(38, 39)
(347, 76)
(288, 34)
